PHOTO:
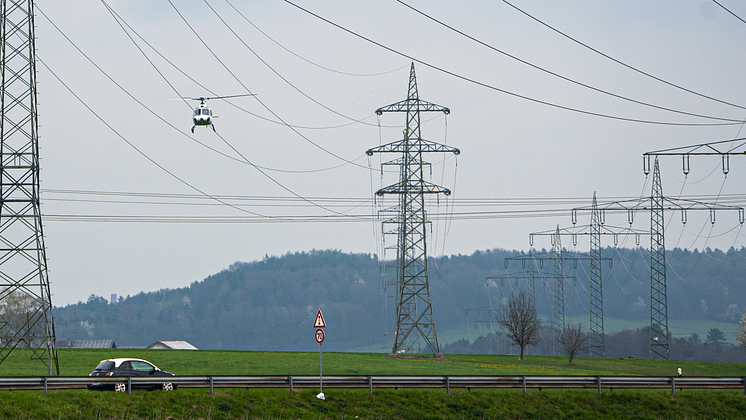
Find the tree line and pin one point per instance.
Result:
(519, 326)
(270, 303)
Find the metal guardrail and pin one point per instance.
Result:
(371, 382)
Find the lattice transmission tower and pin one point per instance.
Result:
(26, 321)
(594, 230)
(656, 204)
(415, 326)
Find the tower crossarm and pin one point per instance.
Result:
(521, 276)
(409, 145)
(401, 162)
(410, 105)
(543, 256)
(421, 187)
(723, 148)
(585, 230)
(667, 203)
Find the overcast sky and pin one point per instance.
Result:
(134, 201)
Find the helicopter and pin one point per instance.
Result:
(202, 115)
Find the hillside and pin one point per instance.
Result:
(270, 304)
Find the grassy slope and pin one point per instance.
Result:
(253, 403)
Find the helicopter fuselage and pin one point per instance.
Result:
(202, 116)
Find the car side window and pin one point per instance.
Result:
(125, 366)
(142, 366)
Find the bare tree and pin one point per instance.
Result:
(741, 332)
(519, 321)
(573, 340)
(19, 313)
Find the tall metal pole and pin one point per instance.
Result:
(559, 291)
(596, 298)
(531, 278)
(658, 301)
(415, 325)
(26, 320)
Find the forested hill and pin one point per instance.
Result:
(271, 304)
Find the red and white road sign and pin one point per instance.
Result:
(319, 336)
(319, 323)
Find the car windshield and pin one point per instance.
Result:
(105, 365)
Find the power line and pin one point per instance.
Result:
(283, 78)
(567, 79)
(305, 59)
(623, 63)
(255, 97)
(120, 21)
(488, 86)
(143, 154)
(245, 160)
(726, 9)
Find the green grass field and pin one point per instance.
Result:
(403, 403)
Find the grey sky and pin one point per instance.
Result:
(510, 147)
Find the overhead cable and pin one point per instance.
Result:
(567, 79)
(305, 59)
(255, 97)
(623, 63)
(488, 86)
(143, 154)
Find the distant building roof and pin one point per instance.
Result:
(172, 345)
(86, 344)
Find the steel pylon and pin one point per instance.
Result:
(657, 203)
(658, 297)
(596, 298)
(26, 321)
(658, 304)
(594, 230)
(415, 326)
(558, 321)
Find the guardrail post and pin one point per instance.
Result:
(598, 379)
(448, 385)
(129, 385)
(211, 383)
(290, 381)
(673, 385)
(45, 384)
(370, 385)
(523, 379)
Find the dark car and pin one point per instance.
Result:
(133, 368)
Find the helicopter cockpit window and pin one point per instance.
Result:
(205, 111)
(196, 112)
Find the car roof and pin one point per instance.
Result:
(119, 361)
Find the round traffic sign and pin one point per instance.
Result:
(319, 336)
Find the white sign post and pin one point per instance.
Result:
(319, 325)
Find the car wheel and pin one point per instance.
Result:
(168, 386)
(120, 387)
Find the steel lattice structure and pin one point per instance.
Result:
(656, 204)
(558, 255)
(658, 297)
(559, 290)
(658, 307)
(414, 317)
(597, 287)
(594, 230)
(26, 320)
